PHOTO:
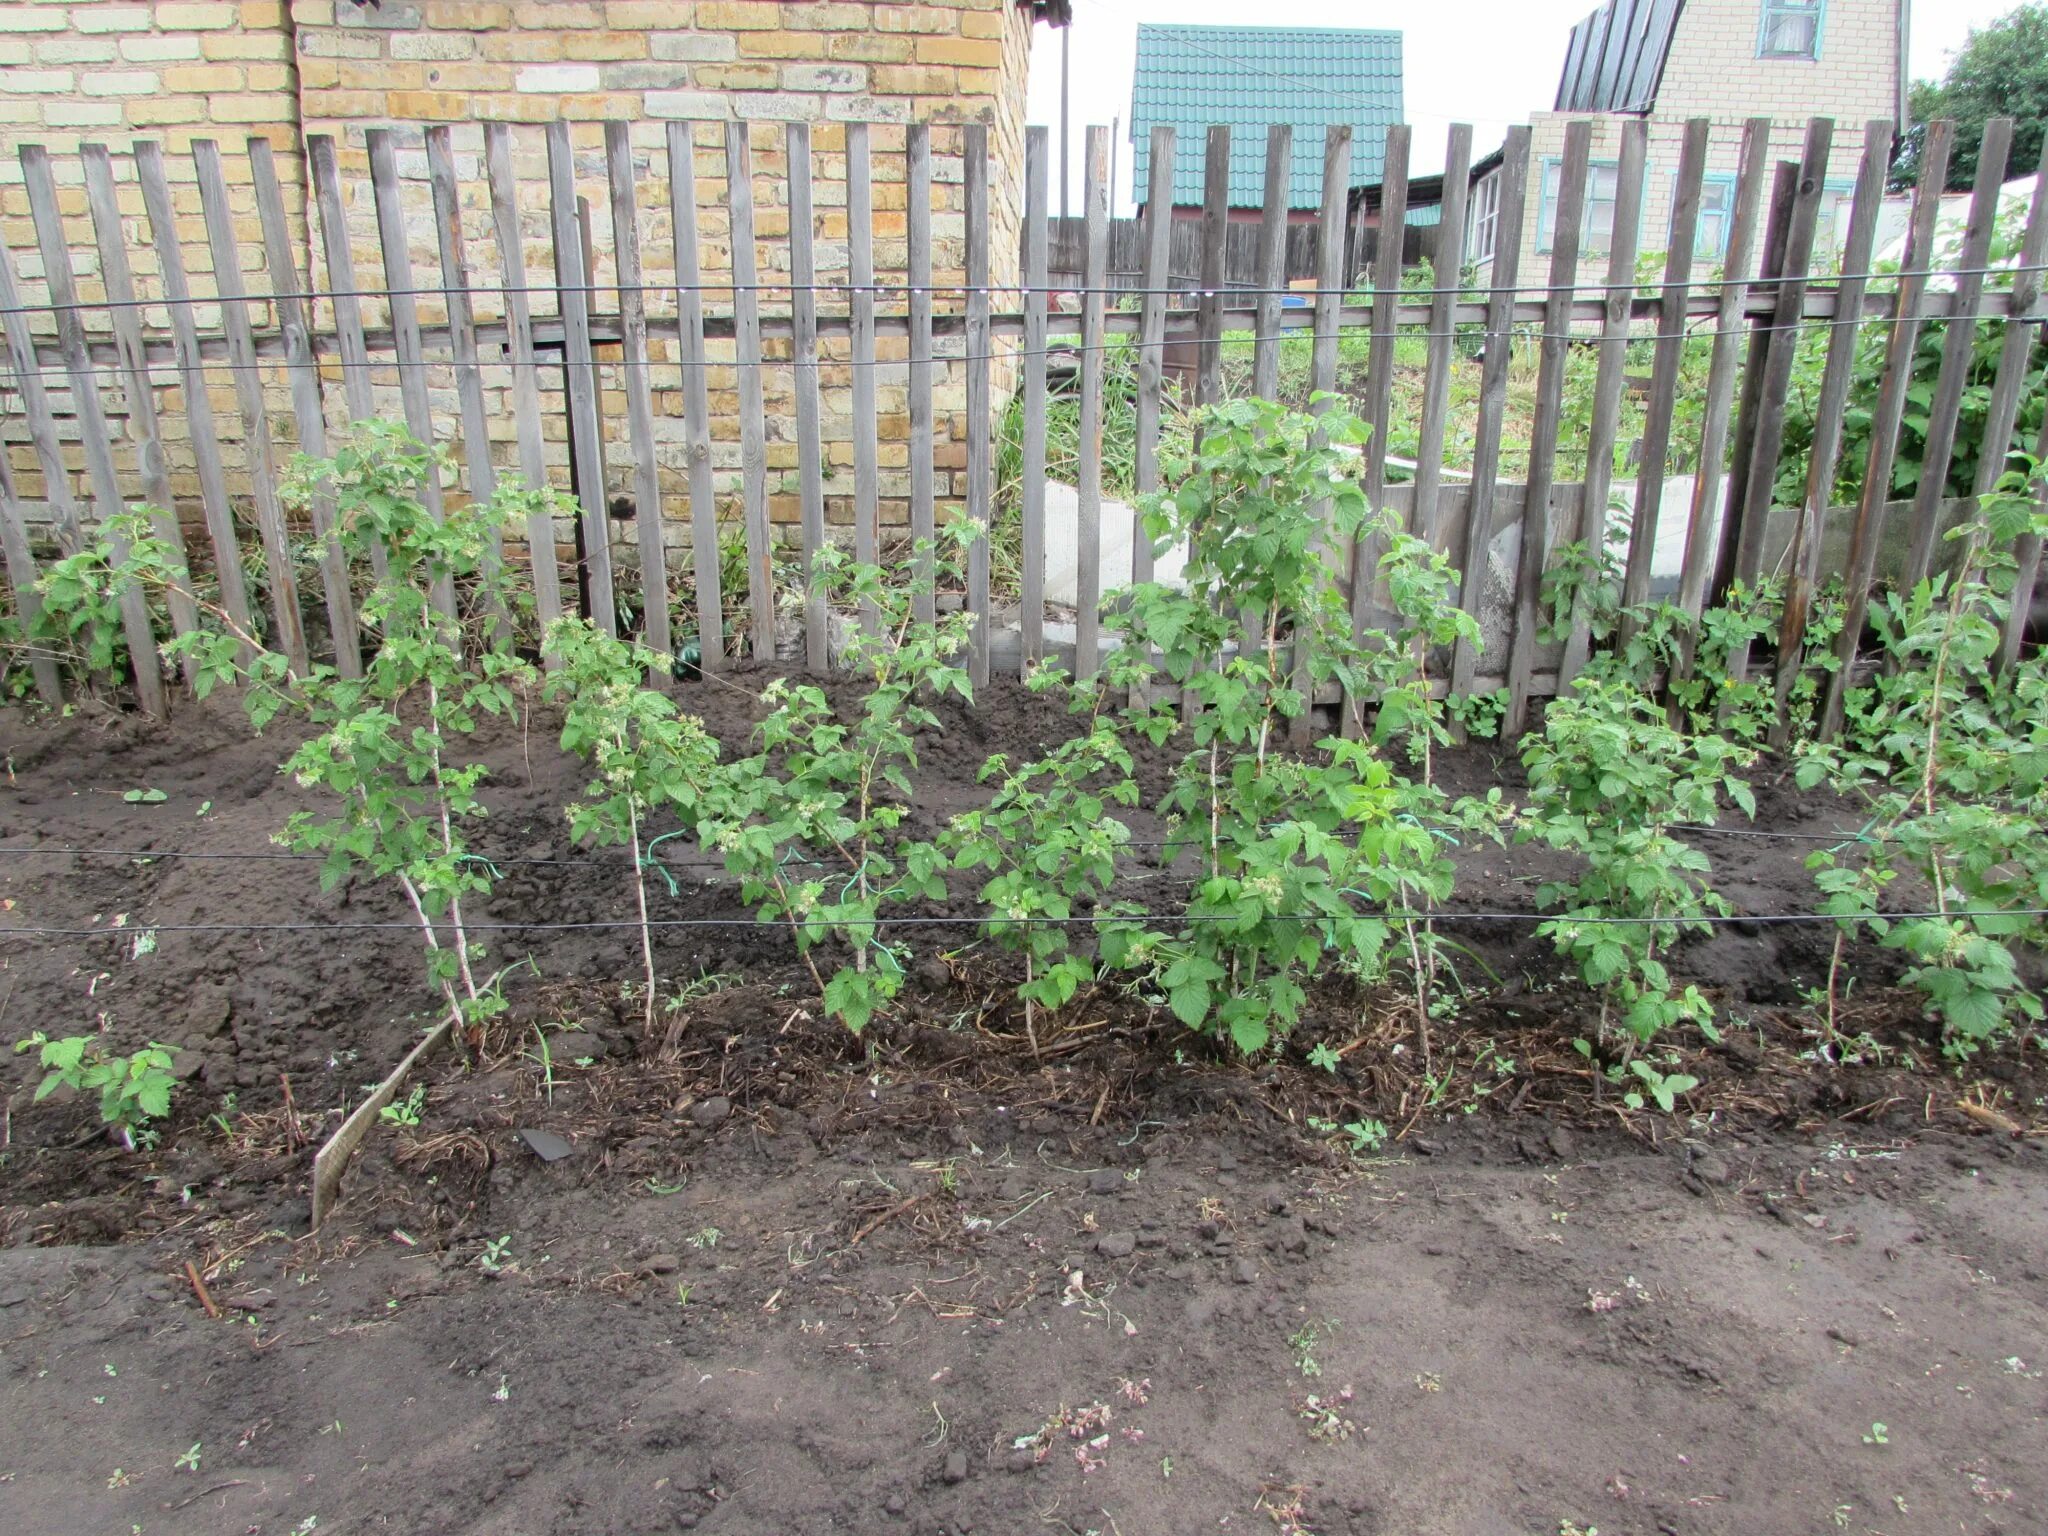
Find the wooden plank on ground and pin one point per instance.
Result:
(923, 513)
(540, 525)
(1958, 351)
(573, 287)
(1667, 359)
(1607, 382)
(1158, 279)
(199, 423)
(746, 309)
(259, 456)
(469, 383)
(90, 413)
(979, 399)
(1535, 553)
(1481, 506)
(118, 277)
(860, 320)
(1909, 290)
(1448, 267)
(1088, 584)
(649, 520)
(1272, 272)
(704, 552)
(810, 456)
(1215, 272)
(290, 288)
(1031, 581)
(1803, 563)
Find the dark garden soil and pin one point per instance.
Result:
(789, 1282)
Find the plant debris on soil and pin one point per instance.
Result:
(757, 1275)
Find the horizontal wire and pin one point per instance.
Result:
(137, 926)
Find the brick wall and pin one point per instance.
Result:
(223, 69)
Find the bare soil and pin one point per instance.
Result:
(790, 1282)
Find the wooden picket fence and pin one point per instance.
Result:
(267, 339)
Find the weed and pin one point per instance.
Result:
(1304, 1342)
(1880, 1434)
(405, 1111)
(496, 1255)
(134, 1089)
(706, 1238)
(1327, 1418)
(188, 1460)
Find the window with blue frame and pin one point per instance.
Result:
(1596, 229)
(1717, 213)
(1791, 29)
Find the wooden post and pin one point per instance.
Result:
(92, 421)
(213, 493)
(572, 294)
(1088, 585)
(1448, 267)
(860, 265)
(1614, 338)
(356, 392)
(917, 193)
(1887, 415)
(803, 316)
(262, 466)
(1668, 359)
(1480, 507)
(119, 279)
(1322, 379)
(1379, 368)
(1958, 350)
(650, 522)
(979, 397)
(1031, 581)
(1803, 565)
(1272, 277)
(1158, 279)
(1215, 272)
(1557, 320)
(308, 409)
(682, 202)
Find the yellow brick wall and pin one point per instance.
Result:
(224, 68)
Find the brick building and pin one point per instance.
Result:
(74, 71)
(1666, 61)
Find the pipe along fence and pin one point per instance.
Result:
(139, 377)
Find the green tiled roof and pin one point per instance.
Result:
(1251, 77)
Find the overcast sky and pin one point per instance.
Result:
(1484, 62)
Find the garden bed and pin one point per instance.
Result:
(791, 1280)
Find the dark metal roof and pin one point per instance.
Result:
(1250, 77)
(1616, 58)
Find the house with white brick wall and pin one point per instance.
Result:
(1667, 61)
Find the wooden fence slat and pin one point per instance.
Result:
(356, 384)
(746, 308)
(1088, 585)
(394, 245)
(860, 276)
(1613, 366)
(213, 494)
(540, 526)
(455, 291)
(803, 309)
(260, 458)
(1215, 224)
(1386, 298)
(1031, 581)
(35, 405)
(649, 520)
(1958, 351)
(1447, 268)
(572, 294)
(1750, 397)
(704, 552)
(1535, 552)
(2016, 341)
(289, 287)
(1151, 337)
(91, 415)
(2027, 559)
(1272, 260)
(1887, 415)
(979, 397)
(1698, 561)
(22, 574)
(923, 514)
(1481, 507)
(1667, 359)
(1803, 564)
(1322, 377)
(1782, 342)
(118, 277)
